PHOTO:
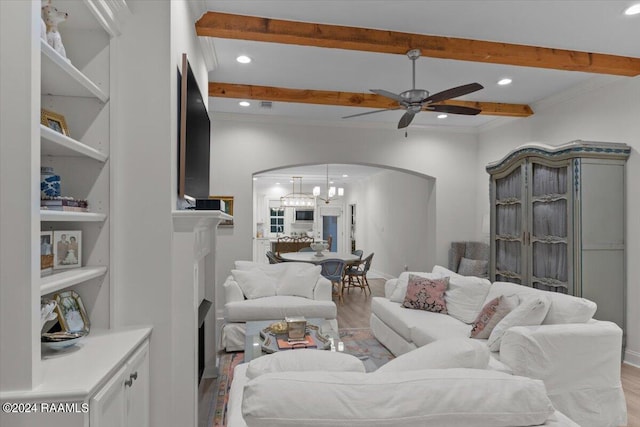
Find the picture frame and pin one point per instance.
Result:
(72, 315)
(67, 249)
(54, 121)
(46, 252)
(228, 209)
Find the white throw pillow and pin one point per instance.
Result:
(298, 279)
(434, 397)
(254, 283)
(465, 297)
(530, 312)
(441, 354)
(443, 271)
(304, 360)
(403, 280)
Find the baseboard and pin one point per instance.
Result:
(632, 358)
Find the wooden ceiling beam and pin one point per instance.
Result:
(224, 25)
(347, 99)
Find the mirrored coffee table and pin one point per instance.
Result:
(254, 344)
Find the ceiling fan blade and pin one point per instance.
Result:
(454, 109)
(371, 112)
(387, 94)
(454, 92)
(406, 119)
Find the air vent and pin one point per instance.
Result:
(266, 104)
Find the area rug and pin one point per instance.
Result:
(358, 342)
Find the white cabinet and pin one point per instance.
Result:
(557, 221)
(260, 248)
(124, 399)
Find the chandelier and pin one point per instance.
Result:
(297, 199)
(331, 191)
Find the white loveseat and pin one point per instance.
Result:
(577, 357)
(272, 292)
(441, 385)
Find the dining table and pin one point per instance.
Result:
(313, 258)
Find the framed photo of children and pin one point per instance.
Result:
(46, 252)
(71, 313)
(67, 249)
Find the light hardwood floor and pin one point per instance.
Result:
(356, 310)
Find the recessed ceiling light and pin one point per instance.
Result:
(345, 175)
(255, 179)
(504, 81)
(632, 10)
(243, 59)
(277, 183)
(244, 103)
(442, 116)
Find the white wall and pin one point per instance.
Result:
(242, 145)
(143, 155)
(606, 110)
(392, 220)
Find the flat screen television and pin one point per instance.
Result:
(194, 136)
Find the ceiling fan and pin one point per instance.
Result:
(416, 100)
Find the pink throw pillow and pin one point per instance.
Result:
(492, 313)
(426, 294)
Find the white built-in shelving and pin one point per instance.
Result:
(60, 77)
(56, 144)
(65, 279)
(51, 215)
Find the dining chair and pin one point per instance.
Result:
(273, 258)
(358, 253)
(356, 276)
(333, 270)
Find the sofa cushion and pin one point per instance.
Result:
(436, 327)
(492, 313)
(278, 307)
(426, 294)
(465, 297)
(254, 283)
(400, 291)
(442, 397)
(530, 312)
(299, 279)
(563, 309)
(441, 354)
(304, 360)
(473, 267)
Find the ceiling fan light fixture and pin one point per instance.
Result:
(243, 59)
(505, 81)
(632, 10)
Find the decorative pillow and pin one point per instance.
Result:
(304, 360)
(443, 271)
(473, 267)
(530, 312)
(466, 296)
(441, 354)
(492, 313)
(426, 294)
(254, 283)
(403, 280)
(299, 279)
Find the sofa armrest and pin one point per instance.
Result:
(322, 290)
(579, 364)
(232, 291)
(389, 287)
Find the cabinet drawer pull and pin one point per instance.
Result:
(128, 383)
(134, 375)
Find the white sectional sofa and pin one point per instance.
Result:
(577, 357)
(272, 292)
(442, 384)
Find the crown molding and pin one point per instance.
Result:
(575, 91)
(209, 52)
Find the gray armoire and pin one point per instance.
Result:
(558, 221)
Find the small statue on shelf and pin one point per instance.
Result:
(52, 17)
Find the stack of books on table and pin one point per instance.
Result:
(64, 204)
(289, 344)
